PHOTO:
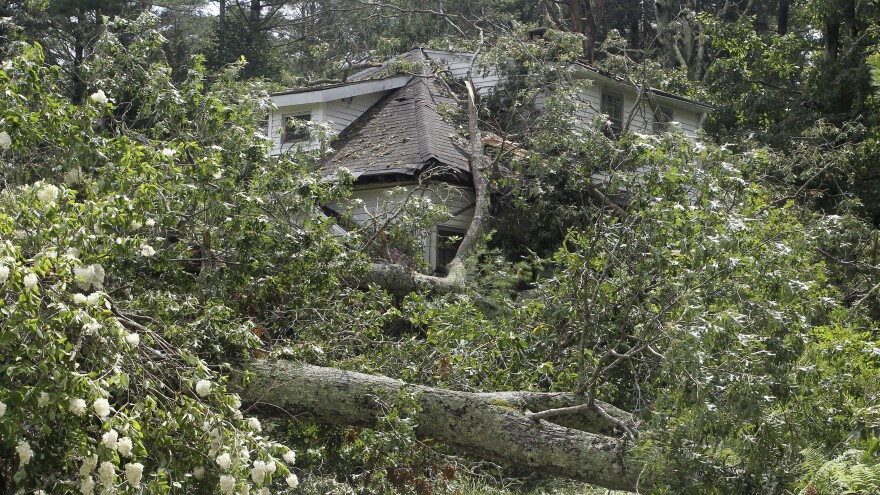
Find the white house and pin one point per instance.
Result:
(392, 138)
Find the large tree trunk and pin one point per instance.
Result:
(497, 426)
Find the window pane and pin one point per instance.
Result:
(294, 128)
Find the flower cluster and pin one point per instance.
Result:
(227, 484)
(77, 406)
(203, 387)
(5, 141)
(92, 275)
(25, 453)
(133, 473)
(102, 408)
(47, 194)
(99, 97)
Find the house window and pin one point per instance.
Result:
(612, 106)
(448, 241)
(662, 117)
(295, 129)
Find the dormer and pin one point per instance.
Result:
(338, 104)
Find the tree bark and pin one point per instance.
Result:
(494, 426)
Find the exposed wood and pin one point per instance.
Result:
(494, 426)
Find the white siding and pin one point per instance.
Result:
(345, 111)
(380, 202)
(459, 64)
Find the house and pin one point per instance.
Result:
(392, 138)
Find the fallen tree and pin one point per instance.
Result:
(583, 441)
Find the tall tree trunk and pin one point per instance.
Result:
(503, 427)
(221, 28)
(782, 15)
(635, 22)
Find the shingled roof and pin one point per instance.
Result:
(402, 135)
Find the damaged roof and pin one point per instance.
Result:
(403, 135)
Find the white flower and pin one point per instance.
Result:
(92, 326)
(292, 481)
(147, 251)
(245, 489)
(86, 276)
(24, 452)
(258, 472)
(99, 97)
(101, 407)
(109, 439)
(203, 387)
(124, 446)
(73, 176)
(106, 473)
(4, 274)
(290, 457)
(270, 467)
(150, 222)
(5, 141)
(199, 472)
(87, 486)
(2, 409)
(133, 339)
(227, 484)
(135, 225)
(77, 406)
(94, 299)
(88, 465)
(224, 461)
(47, 194)
(80, 299)
(264, 490)
(30, 280)
(254, 424)
(168, 152)
(133, 473)
(43, 399)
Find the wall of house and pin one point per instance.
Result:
(460, 63)
(643, 121)
(374, 205)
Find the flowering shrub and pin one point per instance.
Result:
(106, 340)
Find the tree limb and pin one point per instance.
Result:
(488, 425)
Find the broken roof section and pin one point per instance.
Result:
(404, 134)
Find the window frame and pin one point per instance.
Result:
(663, 116)
(443, 233)
(299, 134)
(617, 107)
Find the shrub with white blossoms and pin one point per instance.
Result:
(103, 338)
